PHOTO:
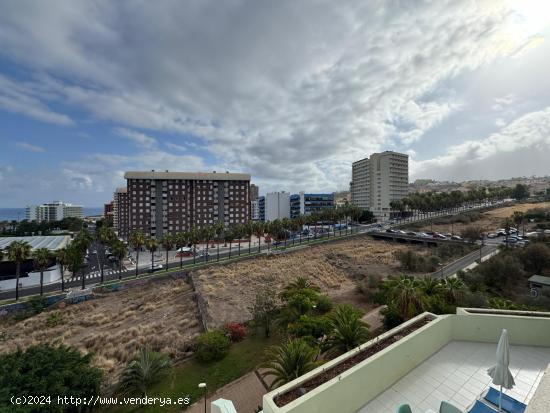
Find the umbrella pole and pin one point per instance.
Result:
(500, 400)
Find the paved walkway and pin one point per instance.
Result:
(374, 319)
(246, 394)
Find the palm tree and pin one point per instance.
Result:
(147, 368)
(454, 289)
(119, 251)
(152, 245)
(137, 240)
(238, 232)
(208, 232)
(408, 298)
(507, 226)
(219, 227)
(518, 216)
(249, 231)
(289, 361)
(430, 286)
(63, 261)
(194, 238)
(167, 243)
(42, 258)
(348, 331)
(18, 251)
(259, 230)
(181, 240)
(105, 236)
(228, 237)
(301, 283)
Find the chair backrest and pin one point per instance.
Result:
(404, 408)
(449, 408)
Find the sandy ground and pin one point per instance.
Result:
(229, 290)
(490, 221)
(161, 314)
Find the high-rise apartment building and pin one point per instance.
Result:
(54, 211)
(359, 185)
(255, 210)
(277, 205)
(378, 181)
(307, 204)
(162, 203)
(254, 192)
(120, 212)
(261, 208)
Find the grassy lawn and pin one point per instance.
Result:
(183, 379)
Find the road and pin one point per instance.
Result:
(465, 261)
(93, 276)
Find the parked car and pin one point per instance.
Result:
(492, 235)
(412, 233)
(399, 231)
(391, 231)
(456, 238)
(155, 267)
(439, 236)
(448, 235)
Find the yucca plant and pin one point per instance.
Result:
(289, 361)
(147, 368)
(347, 330)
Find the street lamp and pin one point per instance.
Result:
(203, 386)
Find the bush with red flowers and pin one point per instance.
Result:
(235, 331)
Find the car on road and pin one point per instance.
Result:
(456, 237)
(391, 231)
(492, 235)
(400, 231)
(155, 267)
(412, 234)
(437, 235)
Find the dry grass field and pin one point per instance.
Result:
(161, 314)
(490, 221)
(230, 289)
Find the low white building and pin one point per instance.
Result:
(54, 211)
(277, 205)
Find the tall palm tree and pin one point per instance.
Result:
(167, 243)
(119, 251)
(42, 258)
(194, 238)
(152, 246)
(137, 240)
(288, 361)
(259, 231)
(181, 240)
(18, 251)
(219, 227)
(105, 236)
(208, 232)
(518, 216)
(63, 261)
(430, 286)
(507, 226)
(348, 331)
(249, 231)
(238, 232)
(228, 237)
(147, 368)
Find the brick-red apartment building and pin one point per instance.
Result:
(170, 202)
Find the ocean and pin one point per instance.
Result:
(18, 214)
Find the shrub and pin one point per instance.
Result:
(235, 331)
(392, 318)
(305, 326)
(212, 345)
(54, 318)
(35, 305)
(324, 304)
(47, 370)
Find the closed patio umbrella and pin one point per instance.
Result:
(500, 373)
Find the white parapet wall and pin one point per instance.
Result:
(361, 383)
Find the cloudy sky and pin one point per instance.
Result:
(290, 91)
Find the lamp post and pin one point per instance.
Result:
(203, 386)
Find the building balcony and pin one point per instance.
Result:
(446, 359)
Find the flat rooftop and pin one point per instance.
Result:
(457, 373)
(51, 242)
(194, 176)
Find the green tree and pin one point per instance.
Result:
(472, 233)
(536, 257)
(146, 369)
(212, 345)
(520, 191)
(406, 296)
(167, 243)
(42, 258)
(18, 252)
(119, 251)
(347, 330)
(264, 310)
(152, 246)
(288, 361)
(47, 370)
(137, 241)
